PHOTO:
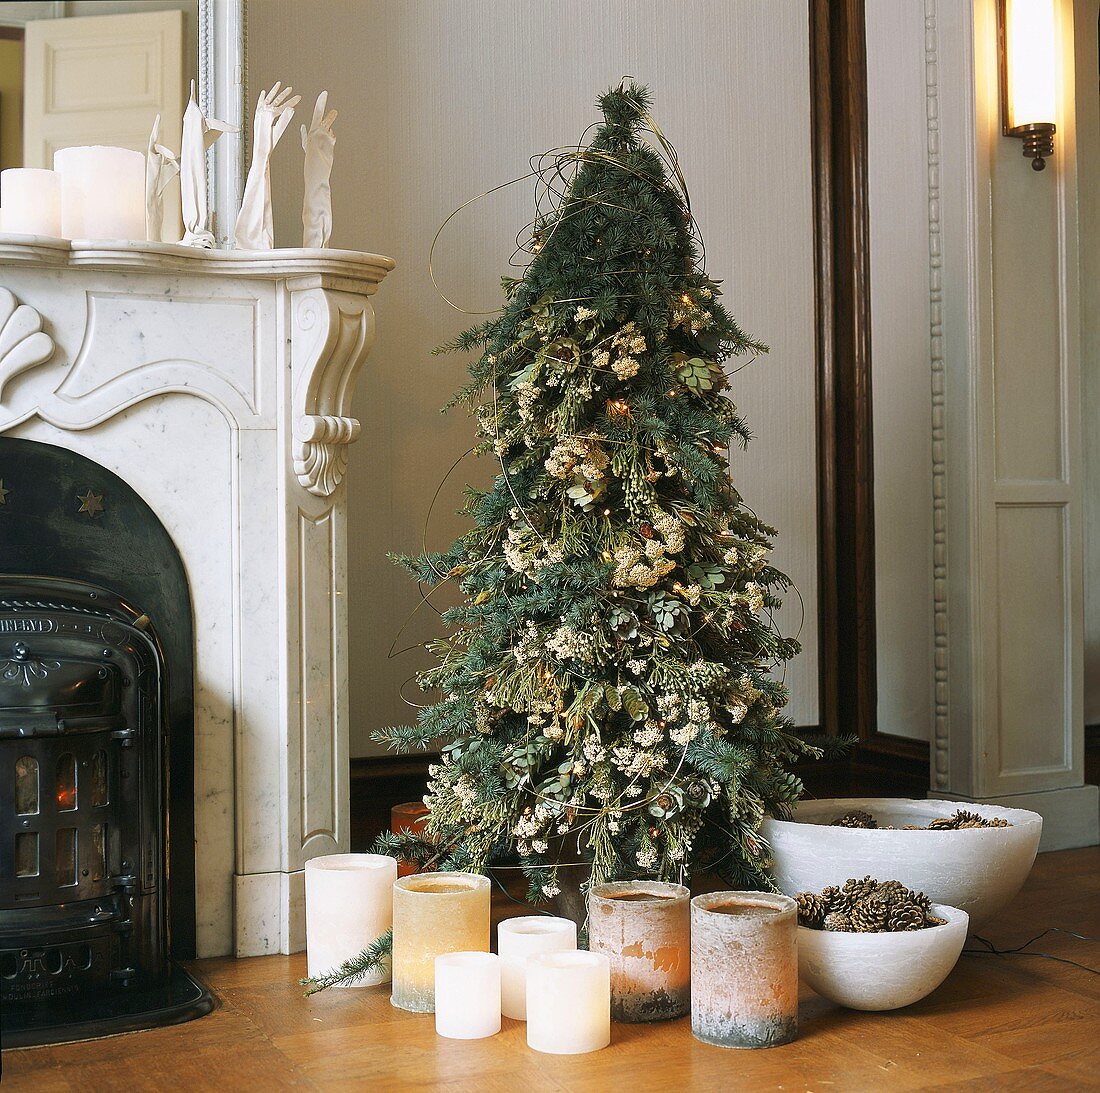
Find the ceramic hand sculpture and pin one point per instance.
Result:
(274, 112)
(199, 133)
(318, 143)
(161, 166)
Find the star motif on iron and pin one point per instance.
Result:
(90, 503)
(3, 493)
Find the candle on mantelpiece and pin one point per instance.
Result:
(568, 1002)
(644, 930)
(349, 905)
(434, 914)
(467, 995)
(102, 192)
(31, 200)
(518, 939)
(744, 969)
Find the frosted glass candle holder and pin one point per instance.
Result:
(467, 995)
(744, 969)
(349, 905)
(102, 192)
(31, 200)
(434, 914)
(568, 1002)
(644, 930)
(518, 939)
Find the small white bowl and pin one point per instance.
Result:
(977, 869)
(881, 971)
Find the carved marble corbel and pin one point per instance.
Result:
(332, 334)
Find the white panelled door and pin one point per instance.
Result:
(102, 79)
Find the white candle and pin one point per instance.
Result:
(520, 938)
(102, 192)
(349, 904)
(31, 199)
(568, 1002)
(467, 995)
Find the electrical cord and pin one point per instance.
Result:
(1020, 950)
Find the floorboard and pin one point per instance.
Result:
(1003, 1023)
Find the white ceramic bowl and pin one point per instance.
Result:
(883, 971)
(977, 869)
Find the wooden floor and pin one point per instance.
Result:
(1014, 1023)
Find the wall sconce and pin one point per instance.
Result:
(1029, 66)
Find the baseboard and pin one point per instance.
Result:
(1071, 816)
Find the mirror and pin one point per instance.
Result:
(99, 71)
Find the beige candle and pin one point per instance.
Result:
(434, 914)
(744, 969)
(644, 930)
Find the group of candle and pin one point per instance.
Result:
(92, 193)
(654, 954)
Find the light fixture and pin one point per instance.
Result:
(1029, 65)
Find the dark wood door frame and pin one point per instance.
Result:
(845, 451)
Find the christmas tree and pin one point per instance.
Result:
(607, 681)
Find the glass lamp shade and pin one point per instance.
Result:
(1030, 61)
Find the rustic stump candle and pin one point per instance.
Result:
(744, 969)
(518, 939)
(349, 900)
(467, 995)
(434, 914)
(568, 1002)
(644, 930)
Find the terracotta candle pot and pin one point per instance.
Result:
(434, 914)
(643, 928)
(744, 969)
(412, 816)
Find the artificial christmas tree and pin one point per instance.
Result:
(608, 695)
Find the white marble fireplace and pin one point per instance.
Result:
(218, 384)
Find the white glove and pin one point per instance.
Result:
(318, 143)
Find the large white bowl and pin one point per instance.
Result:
(978, 869)
(882, 971)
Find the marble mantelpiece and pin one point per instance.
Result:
(218, 384)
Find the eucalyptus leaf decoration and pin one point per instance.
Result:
(608, 681)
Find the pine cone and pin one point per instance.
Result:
(944, 823)
(893, 892)
(834, 898)
(920, 899)
(935, 920)
(856, 890)
(838, 921)
(869, 915)
(906, 916)
(855, 818)
(811, 910)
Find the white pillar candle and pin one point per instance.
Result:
(349, 904)
(520, 938)
(568, 1002)
(31, 200)
(467, 995)
(102, 192)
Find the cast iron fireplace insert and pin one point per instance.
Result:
(89, 727)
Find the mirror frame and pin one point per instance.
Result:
(223, 91)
